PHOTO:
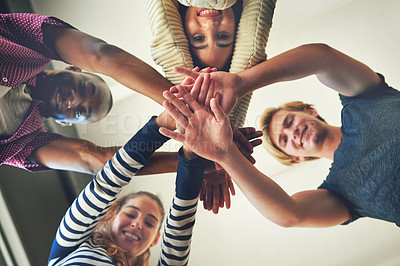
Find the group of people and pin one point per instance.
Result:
(101, 228)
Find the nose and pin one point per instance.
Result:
(210, 23)
(292, 132)
(73, 99)
(137, 224)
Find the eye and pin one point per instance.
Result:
(198, 38)
(223, 36)
(78, 114)
(291, 121)
(131, 215)
(284, 140)
(149, 224)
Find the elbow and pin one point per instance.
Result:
(288, 220)
(103, 57)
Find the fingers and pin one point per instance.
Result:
(204, 89)
(208, 199)
(241, 139)
(256, 142)
(216, 199)
(186, 72)
(202, 191)
(226, 196)
(180, 118)
(189, 100)
(197, 87)
(231, 186)
(217, 110)
(210, 94)
(171, 134)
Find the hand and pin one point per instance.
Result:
(215, 191)
(246, 139)
(227, 84)
(200, 88)
(206, 133)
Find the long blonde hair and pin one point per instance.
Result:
(265, 123)
(102, 233)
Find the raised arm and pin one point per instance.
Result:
(333, 68)
(180, 221)
(210, 136)
(95, 55)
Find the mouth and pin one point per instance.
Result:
(131, 235)
(209, 13)
(303, 136)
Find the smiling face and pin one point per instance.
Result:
(299, 134)
(211, 34)
(75, 97)
(135, 227)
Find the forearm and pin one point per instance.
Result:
(95, 55)
(267, 196)
(333, 68)
(130, 71)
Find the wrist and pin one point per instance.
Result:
(165, 120)
(188, 154)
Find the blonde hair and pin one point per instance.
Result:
(102, 233)
(265, 123)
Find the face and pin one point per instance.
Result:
(135, 227)
(211, 34)
(76, 97)
(298, 134)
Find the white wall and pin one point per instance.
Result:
(365, 29)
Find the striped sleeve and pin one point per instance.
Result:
(93, 202)
(179, 226)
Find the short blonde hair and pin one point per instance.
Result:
(265, 123)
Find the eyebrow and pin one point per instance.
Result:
(284, 123)
(222, 45)
(136, 208)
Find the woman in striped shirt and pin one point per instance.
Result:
(96, 231)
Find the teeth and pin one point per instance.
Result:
(209, 11)
(131, 236)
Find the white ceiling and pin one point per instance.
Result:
(364, 29)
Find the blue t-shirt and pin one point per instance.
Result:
(365, 172)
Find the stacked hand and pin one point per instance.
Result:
(206, 130)
(229, 85)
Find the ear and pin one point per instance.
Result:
(73, 68)
(155, 241)
(298, 159)
(66, 124)
(312, 112)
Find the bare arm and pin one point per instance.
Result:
(95, 55)
(333, 68)
(83, 156)
(314, 208)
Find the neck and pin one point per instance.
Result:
(331, 142)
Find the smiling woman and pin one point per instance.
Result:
(210, 23)
(99, 230)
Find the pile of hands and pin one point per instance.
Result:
(204, 97)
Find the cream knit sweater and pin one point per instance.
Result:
(170, 46)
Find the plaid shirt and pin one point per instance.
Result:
(23, 55)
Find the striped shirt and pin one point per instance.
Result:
(72, 245)
(23, 55)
